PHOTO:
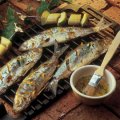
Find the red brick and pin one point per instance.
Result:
(9, 109)
(24, 5)
(115, 60)
(114, 101)
(42, 116)
(62, 106)
(114, 13)
(114, 2)
(90, 113)
(93, 3)
(115, 73)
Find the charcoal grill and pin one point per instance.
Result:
(47, 98)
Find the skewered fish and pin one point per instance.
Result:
(61, 35)
(82, 55)
(36, 81)
(18, 67)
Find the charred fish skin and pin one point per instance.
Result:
(17, 67)
(35, 82)
(61, 35)
(82, 55)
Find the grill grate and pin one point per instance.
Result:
(46, 98)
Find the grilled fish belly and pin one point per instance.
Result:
(17, 67)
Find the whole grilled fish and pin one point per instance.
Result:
(17, 67)
(35, 82)
(61, 35)
(82, 55)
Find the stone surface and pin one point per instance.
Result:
(83, 112)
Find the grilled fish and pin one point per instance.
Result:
(61, 35)
(82, 55)
(18, 67)
(36, 81)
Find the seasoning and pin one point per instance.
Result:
(101, 89)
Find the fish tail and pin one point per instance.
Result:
(102, 25)
(53, 86)
(59, 51)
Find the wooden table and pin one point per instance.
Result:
(68, 107)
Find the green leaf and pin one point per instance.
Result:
(10, 26)
(44, 6)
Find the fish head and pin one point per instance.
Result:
(20, 103)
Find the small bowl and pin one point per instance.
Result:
(86, 71)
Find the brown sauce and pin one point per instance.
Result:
(101, 89)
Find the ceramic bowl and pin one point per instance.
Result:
(86, 71)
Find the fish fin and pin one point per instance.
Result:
(53, 86)
(59, 51)
(102, 25)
